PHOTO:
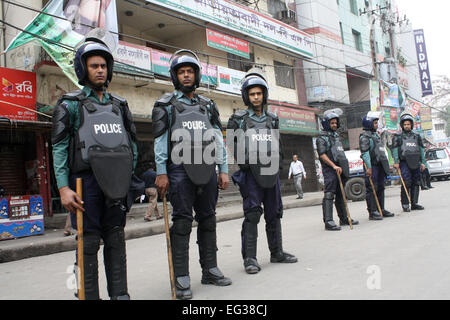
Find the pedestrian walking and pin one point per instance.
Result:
(297, 171)
(151, 192)
(178, 117)
(94, 138)
(334, 162)
(257, 186)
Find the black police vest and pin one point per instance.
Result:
(103, 145)
(410, 150)
(259, 140)
(192, 139)
(336, 153)
(377, 154)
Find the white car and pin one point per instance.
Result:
(438, 160)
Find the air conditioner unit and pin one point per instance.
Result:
(287, 15)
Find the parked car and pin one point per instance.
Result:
(438, 160)
(355, 188)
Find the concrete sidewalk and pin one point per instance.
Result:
(228, 208)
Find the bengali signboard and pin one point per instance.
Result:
(243, 20)
(292, 119)
(134, 55)
(227, 43)
(17, 88)
(230, 79)
(160, 65)
(422, 59)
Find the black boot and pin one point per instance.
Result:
(327, 210)
(249, 236)
(372, 207)
(404, 198)
(115, 259)
(91, 244)
(179, 239)
(342, 212)
(275, 241)
(206, 240)
(415, 198)
(386, 213)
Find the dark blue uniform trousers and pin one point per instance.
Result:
(185, 195)
(331, 184)
(411, 179)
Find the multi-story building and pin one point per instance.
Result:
(230, 37)
(355, 41)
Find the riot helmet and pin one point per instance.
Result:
(254, 80)
(92, 47)
(177, 62)
(330, 115)
(404, 117)
(368, 120)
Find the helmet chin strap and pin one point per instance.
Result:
(97, 88)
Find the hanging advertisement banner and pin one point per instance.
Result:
(17, 88)
(389, 94)
(391, 118)
(425, 117)
(374, 87)
(227, 43)
(63, 25)
(230, 79)
(422, 59)
(243, 20)
(413, 107)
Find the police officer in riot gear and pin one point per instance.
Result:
(259, 181)
(334, 162)
(94, 138)
(409, 157)
(190, 183)
(374, 157)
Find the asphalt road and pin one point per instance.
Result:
(404, 257)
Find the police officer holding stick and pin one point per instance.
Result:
(94, 138)
(188, 146)
(334, 162)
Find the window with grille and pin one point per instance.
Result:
(439, 126)
(357, 39)
(284, 75)
(354, 7)
(240, 63)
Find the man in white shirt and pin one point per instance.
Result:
(298, 171)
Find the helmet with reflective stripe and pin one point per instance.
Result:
(92, 47)
(177, 62)
(251, 81)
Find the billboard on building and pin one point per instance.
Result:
(241, 19)
(422, 59)
(227, 43)
(62, 25)
(17, 94)
(293, 119)
(230, 79)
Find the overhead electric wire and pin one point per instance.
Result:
(325, 67)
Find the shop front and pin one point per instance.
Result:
(24, 158)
